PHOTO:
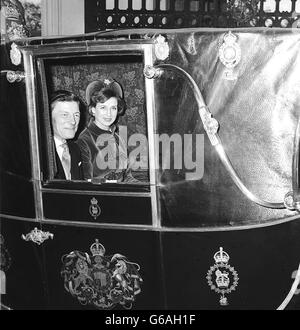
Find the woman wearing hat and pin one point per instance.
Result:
(104, 153)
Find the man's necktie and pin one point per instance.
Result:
(66, 161)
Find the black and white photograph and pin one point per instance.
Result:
(150, 157)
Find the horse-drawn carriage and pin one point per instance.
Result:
(211, 221)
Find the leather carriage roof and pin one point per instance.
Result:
(142, 34)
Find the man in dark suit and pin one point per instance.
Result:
(65, 117)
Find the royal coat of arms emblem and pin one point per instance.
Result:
(99, 280)
(221, 277)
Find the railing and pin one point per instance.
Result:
(169, 14)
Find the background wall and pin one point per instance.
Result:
(66, 17)
(62, 17)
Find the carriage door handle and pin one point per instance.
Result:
(13, 76)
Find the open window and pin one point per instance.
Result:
(74, 73)
(72, 67)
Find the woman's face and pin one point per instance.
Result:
(105, 113)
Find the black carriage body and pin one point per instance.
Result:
(199, 237)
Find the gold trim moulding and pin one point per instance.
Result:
(151, 227)
(94, 192)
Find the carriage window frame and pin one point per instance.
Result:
(39, 57)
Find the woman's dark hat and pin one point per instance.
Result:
(97, 85)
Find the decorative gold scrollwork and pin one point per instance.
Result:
(37, 236)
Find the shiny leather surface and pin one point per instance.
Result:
(257, 112)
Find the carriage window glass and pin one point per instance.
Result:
(102, 136)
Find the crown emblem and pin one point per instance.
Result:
(97, 249)
(94, 208)
(230, 38)
(16, 31)
(221, 277)
(221, 257)
(11, 13)
(94, 201)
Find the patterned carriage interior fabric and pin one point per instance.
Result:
(129, 74)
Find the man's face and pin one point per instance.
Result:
(106, 113)
(65, 119)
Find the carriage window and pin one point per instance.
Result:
(93, 119)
